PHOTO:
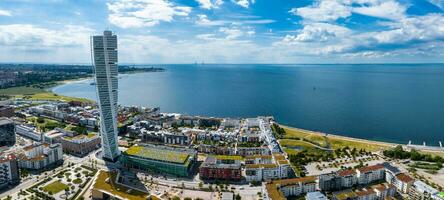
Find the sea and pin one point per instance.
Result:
(385, 102)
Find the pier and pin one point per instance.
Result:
(425, 147)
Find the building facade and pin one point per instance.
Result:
(38, 156)
(28, 132)
(8, 171)
(281, 189)
(6, 111)
(104, 53)
(7, 132)
(160, 159)
(220, 169)
(80, 145)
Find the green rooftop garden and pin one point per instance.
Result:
(118, 190)
(158, 154)
(225, 157)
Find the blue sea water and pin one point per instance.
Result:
(395, 103)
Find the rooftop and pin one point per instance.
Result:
(370, 168)
(4, 121)
(404, 178)
(343, 195)
(161, 154)
(112, 188)
(273, 187)
(347, 172)
(316, 195)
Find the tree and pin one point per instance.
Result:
(238, 197)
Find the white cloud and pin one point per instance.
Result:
(141, 13)
(209, 4)
(244, 3)
(231, 33)
(5, 13)
(331, 10)
(30, 43)
(421, 28)
(324, 38)
(204, 21)
(154, 49)
(326, 10)
(320, 32)
(387, 9)
(30, 36)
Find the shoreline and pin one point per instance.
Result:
(317, 133)
(364, 141)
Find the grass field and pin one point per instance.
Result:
(335, 142)
(55, 187)
(47, 123)
(35, 93)
(23, 90)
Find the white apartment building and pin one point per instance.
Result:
(28, 132)
(370, 174)
(264, 170)
(38, 156)
(280, 189)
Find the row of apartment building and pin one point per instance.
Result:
(257, 168)
(388, 179)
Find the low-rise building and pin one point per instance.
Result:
(38, 156)
(384, 191)
(403, 182)
(221, 168)
(375, 192)
(169, 160)
(422, 191)
(330, 182)
(8, 171)
(80, 145)
(250, 151)
(219, 150)
(7, 132)
(281, 189)
(315, 196)
(6, 111)
(29, 132)
(348, 178)
(264, 171)
(370, 174)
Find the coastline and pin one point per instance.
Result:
(375, 143)
(335, 138)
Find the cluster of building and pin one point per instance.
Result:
(68, 112)
(376, 182)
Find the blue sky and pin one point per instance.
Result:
(225, 31)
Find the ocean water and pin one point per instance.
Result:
(394, 103)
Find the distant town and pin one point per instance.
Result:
(56, 147)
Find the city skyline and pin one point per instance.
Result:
(218, 31)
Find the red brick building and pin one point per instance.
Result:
(217, 169)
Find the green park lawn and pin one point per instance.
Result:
(55, 187)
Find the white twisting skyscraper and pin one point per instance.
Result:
(104, 58)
